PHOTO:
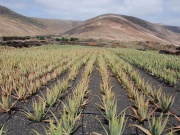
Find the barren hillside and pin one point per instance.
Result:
(12, 23)
(172, 28)
(108, 26)
(124, 28)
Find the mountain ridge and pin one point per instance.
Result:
(14, 24)
(107, 26)
(125, 28)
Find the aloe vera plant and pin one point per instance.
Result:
(39, 112)
(6, 89)
(6, 104)
(132, 92)
(147, 89)
(71, 107)
(109, 106)
(22, 93)
(69, 122)
(53, 129)
(43, 80)
(56, 130)
(48, 77)
(139, 99)
(37, 84)
(141, 109)
(50, 97)
(79, 95)
(166, 101)
(104, 86)
(156, 94)
(64, 85)
(117, 125)
(156, 126)
(32, 88)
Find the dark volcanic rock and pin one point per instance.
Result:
(15, 38)
(169, 52)
(22, 43)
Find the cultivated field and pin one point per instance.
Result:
(64, 90)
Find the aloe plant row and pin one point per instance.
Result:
(140, 108)
(108, 102)
(161, 66)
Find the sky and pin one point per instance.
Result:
(155, 11)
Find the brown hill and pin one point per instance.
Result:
(109, 26)
(172, 28)
(124, 28)
(14, 24)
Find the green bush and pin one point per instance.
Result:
(73, 39)
(58, 39)
(65, 39)
(41, 38)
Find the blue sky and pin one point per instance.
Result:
(157, 11)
